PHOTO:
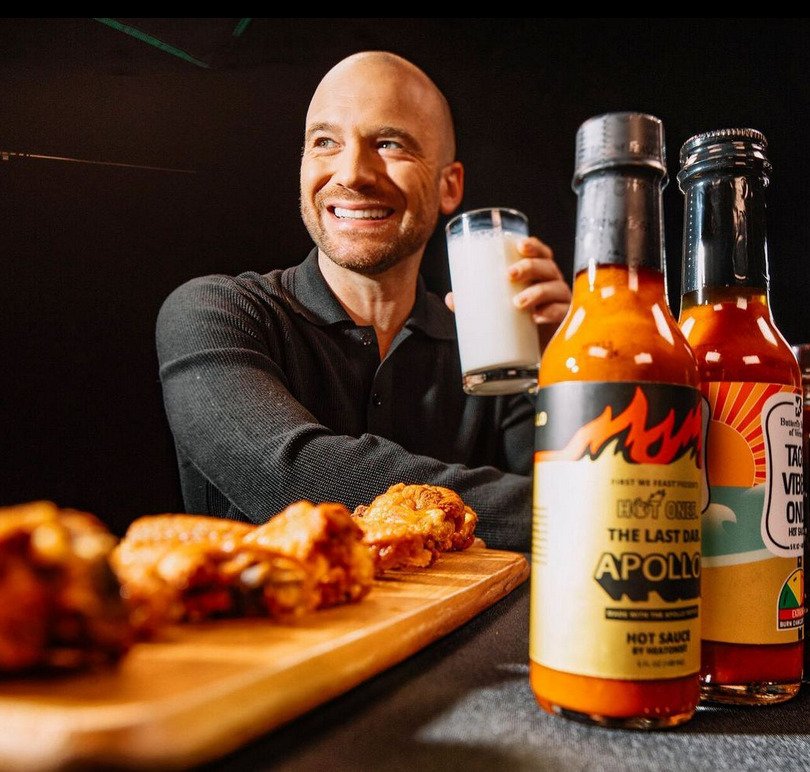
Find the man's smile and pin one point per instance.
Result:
(361, 214)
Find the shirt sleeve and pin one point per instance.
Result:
(517, 434)
(234, 419)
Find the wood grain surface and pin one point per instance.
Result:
(203, 690)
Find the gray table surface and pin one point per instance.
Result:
(464, 703)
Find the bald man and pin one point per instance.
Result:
(331, 380)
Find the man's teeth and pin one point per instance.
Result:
(360, 214)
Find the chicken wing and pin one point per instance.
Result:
(62, 607)
(185, 529)
(328, 541)
(410, 525)
(193, 567)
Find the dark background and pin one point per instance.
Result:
(90, 251)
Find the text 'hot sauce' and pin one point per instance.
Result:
(615, 608)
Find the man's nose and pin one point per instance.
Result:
(357, 166)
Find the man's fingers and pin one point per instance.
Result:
(534, 269)
(542, 294)
(553, 313)
(531, 246)
(450, 302)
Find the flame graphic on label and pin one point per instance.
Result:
(660, 444)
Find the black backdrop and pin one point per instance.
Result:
(92, 250)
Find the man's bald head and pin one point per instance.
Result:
(384, 67)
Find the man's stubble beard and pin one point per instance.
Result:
(368, 258)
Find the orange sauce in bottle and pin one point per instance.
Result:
(618, 329)
(615, 568)
(736, 324)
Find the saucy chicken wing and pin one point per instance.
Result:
(61, 603)
(327, 540)
(194, 567)
(410, 525)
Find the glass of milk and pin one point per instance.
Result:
(498, 343)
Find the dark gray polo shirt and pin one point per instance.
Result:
(273, 395)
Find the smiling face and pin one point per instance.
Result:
(377, 165)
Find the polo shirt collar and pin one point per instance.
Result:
(430, 315)
(318, 303)
(315, 299)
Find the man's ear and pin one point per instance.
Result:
(451, 187)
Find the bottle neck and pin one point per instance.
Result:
(724, 237)
(619, 221)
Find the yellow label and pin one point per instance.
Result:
(753, 588)
(617, 528)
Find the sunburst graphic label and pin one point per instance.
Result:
(753, 527)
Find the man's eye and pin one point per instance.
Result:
(324, 142)
(389, 144)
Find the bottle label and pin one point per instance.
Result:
(617, 524)
(753, 527)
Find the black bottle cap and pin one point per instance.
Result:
(733, 150)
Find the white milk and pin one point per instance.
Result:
(492, 332)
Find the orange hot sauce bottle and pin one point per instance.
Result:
(615, 598)
(753, 600)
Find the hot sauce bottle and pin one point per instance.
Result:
(753, 526)
(615, 596)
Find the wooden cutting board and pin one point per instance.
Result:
(204, 690)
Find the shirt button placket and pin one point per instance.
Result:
(380, 402)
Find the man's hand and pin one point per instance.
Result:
(548, 295)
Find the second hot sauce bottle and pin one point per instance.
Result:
(753, 583)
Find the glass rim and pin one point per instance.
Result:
(480, 210)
